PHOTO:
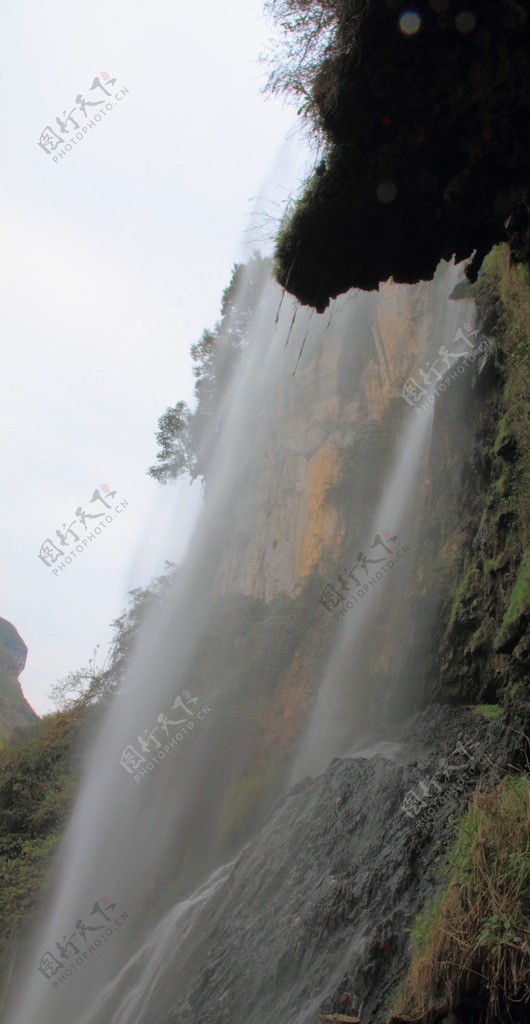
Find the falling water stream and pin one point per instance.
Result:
(325, 728)
(122, 829)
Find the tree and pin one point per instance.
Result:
(176, 454)
(315, 35)
(186, 439)
(79, 688)
(127, 626)
(92, 685)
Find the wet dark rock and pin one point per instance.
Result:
(507, 449)
(320, 903)
(11, 639)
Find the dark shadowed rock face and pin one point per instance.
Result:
(319, 904)
(15, 712)
(11, 639)
(428, 148)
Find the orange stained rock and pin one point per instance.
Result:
(323, 526)
(280, 718)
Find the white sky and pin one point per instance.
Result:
(113, 260)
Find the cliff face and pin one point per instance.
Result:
(332, 436)
(483, 637)
(320, 905)
(325, 437)
(14, 708)
(340, 386)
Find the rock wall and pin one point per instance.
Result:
(348, 377)
(14, 708)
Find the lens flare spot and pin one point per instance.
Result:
(386, 192)
(409, 21)
(465, 21)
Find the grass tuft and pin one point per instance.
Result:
(475, 936)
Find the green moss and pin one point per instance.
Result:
(239, 802)
(489, 711)
(461, 591)
(426, 921)
(519, 602)
(502, 431)
(502, 294)
(489, 565)
(500, 486)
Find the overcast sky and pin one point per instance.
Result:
(114, 258)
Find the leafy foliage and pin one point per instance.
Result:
(37, 782)
(186, 439)
(303, 62)
(90, 685)
(40, 767)
(176, 452)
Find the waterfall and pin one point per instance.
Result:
(124, 828)
(324, 736)
(129, 994)
(329, 732)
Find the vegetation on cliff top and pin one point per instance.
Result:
(186, 439)
(422, 117)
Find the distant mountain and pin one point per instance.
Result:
(14, 708)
